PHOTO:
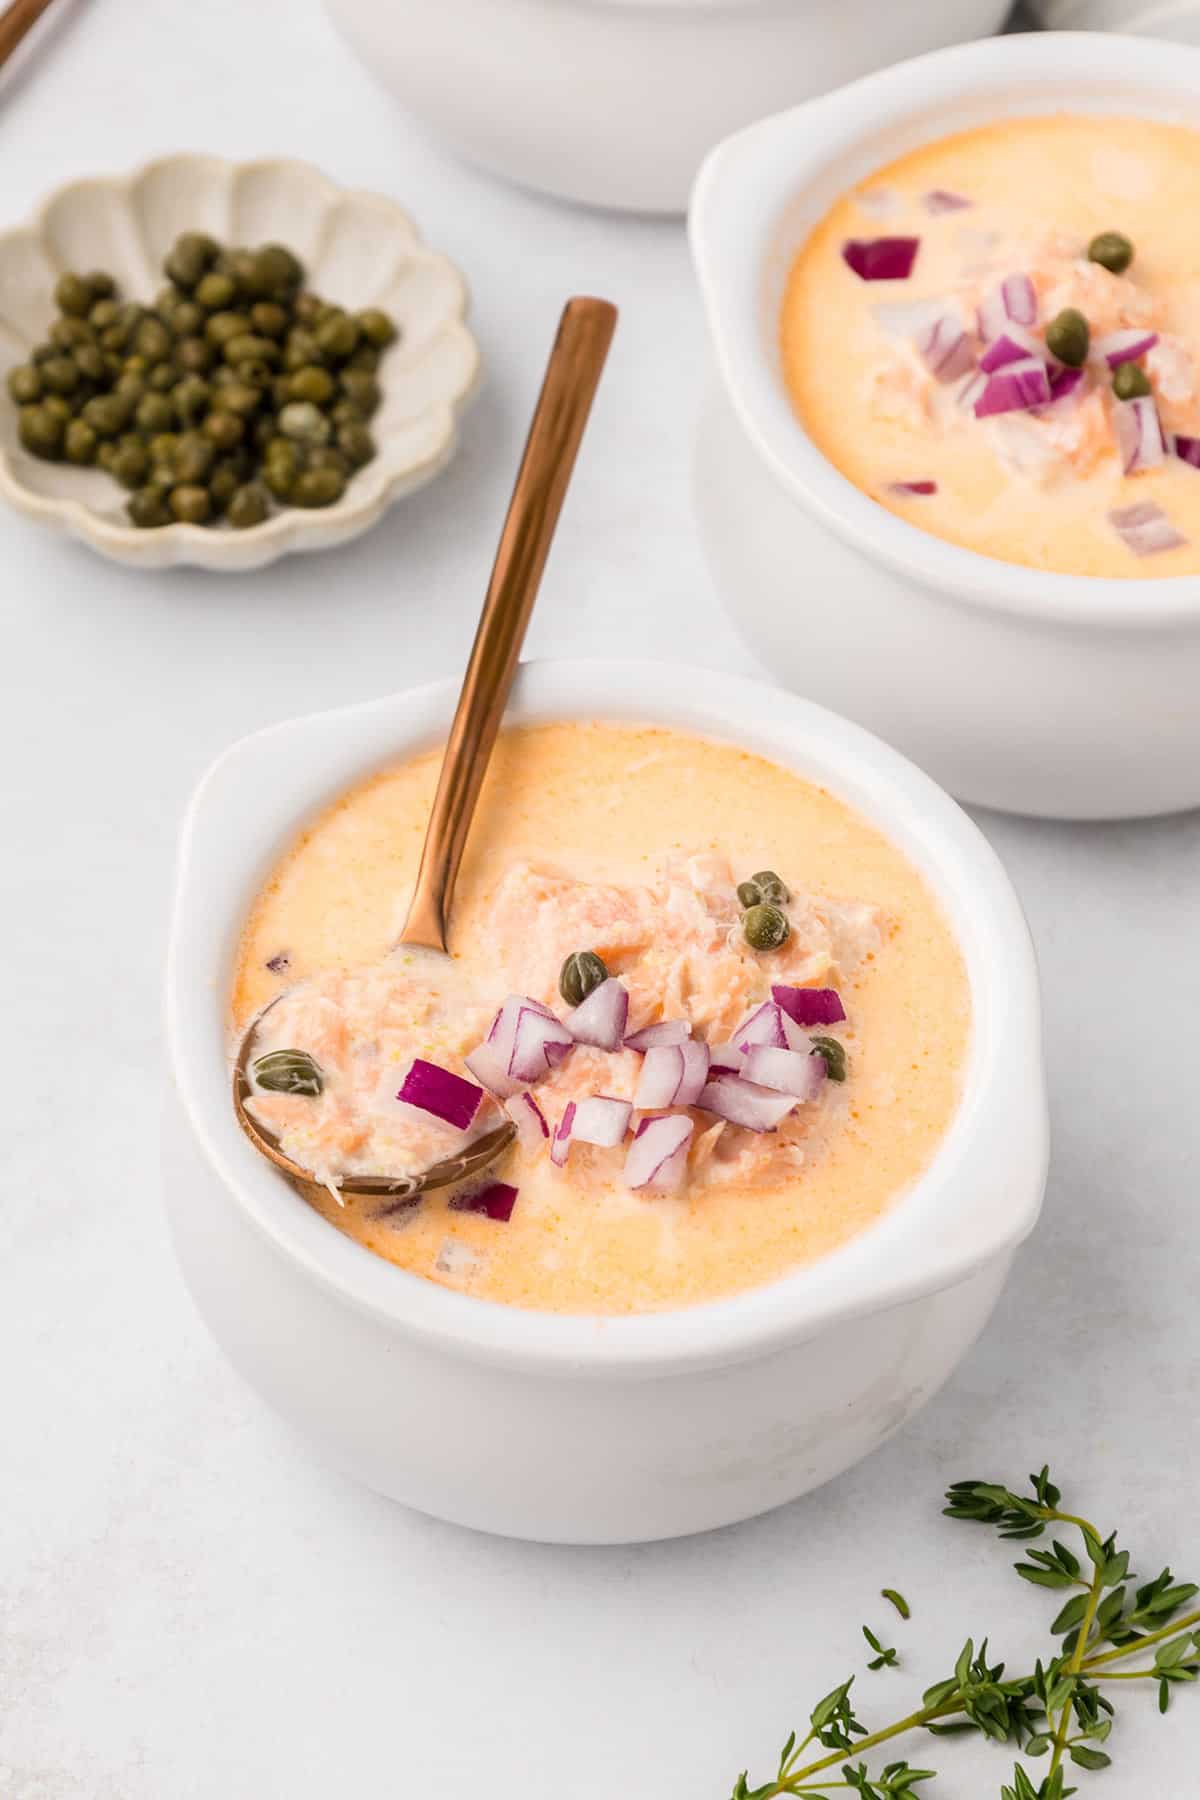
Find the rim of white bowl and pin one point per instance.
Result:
(259, 793)
(737, 203)
(291, 529)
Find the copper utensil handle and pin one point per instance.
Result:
(572, 375)
(15, 21)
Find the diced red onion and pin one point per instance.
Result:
(1187, 449)
(1139, 434)
(497, 1200)
(667, 1031)
(600, 1120)
(528, 1118)
(489, 1065)
(768, 1024)
(912, 487)
(785, 1071)
(945, 348)
(539, 1042)
(1125, 346)
(1016, 387)
(440, 1092)
(809, 1005)
(560, 1143)
(881, 258)
(1146, 529)
(1065, 383)
(1014, 302)
(1013, 343)
(971, 390)
(671, 1075)
(742, 1102)
(601, 1019)
(941, 200)
(658, 1154)
(725, 1059)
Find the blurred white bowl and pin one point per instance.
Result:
(614, 102)
(357, 249)
(1176, 19)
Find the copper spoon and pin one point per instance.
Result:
(568, 389)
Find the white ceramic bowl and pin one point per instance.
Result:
(583, 1429)
(358, 249)
(1175, 19)
(614, 102)
(1061, 695)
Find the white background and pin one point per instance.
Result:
(189, 1605)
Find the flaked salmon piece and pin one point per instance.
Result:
(677, 945)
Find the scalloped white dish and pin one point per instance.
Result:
(358, 249)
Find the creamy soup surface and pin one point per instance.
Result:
(885, 374)
(627, 842)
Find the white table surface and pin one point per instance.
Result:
(189, 1605)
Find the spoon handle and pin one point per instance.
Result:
(572, 376)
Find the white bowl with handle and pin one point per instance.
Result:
(1060, 695)
(578, 1428)
(614, 102)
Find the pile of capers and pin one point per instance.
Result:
(762, 899)
(236, 387)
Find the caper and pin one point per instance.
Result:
(247, 346)
(362, 388)
(103, 314)
(162, 377)
(318, 487)
(186, 319)
(1068, 336)
(223, 326)
(61, 375)
(69, 333)
(748, 894)
(40, 431)
(1112, 250)
(377, 327)
(190, 504)
(224, 428)
(834, 1054)
(154, 413)
(222, 486)
(771, 887)
(25, 384)
(269, 317)
(107, 414)
(73, 295)
(89, 360)
(765, 927)
(327, 456)
(304, 422)
(280, 474)
(308, 308)
(1130, 382)
(311, 383)
(190, 256)
(148, 507)
(356, 443)
(100, 283)
(79, 442)
(580, 976)
(239, 397)
(191, 398)
(274, 271)
(216, 292)
(300, 350)
(106, 454)
(193, 355)
(337, 336)
(288, 1072)
(257, 374)
(58, 406)
(249, 506)
(364, 358)
(152, 340)
(162, 448)
(194, 458)
(131, 464)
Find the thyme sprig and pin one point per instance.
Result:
(1059, 1711)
